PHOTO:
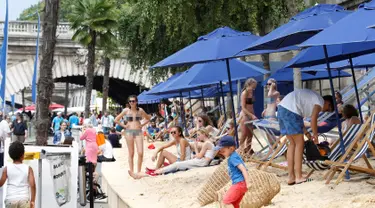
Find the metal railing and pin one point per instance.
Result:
(30, 28)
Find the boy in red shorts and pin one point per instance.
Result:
(237, 172)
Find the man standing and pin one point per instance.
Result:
(4, 133)
(93, 119)
(56, 122)
(106, 123)
(73, 120)
(296, 106)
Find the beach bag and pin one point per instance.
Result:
(59, 166)
(312, 151)
(324, 150)
(263, 188)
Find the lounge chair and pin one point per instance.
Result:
(355, 151)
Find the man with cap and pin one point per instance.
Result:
(56, 122)
(237, 172)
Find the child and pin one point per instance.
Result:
(237, 172)
(114, 138)
(20, 180)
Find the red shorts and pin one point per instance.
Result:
(235, 194)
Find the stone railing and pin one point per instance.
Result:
(30, 28)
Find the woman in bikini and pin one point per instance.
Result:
(272, 96)
(247, 114)
(133, 132)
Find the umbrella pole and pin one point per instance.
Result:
(223, 98)
(202, 97)
(355, 88)
(339, 81)
(368, 98)
(191, 111)
(231, 97)
(217, 88)
(182, 114)
(335, 104)
(320, 87)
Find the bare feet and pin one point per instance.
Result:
(133, 175)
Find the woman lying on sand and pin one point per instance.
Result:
(202, 159)
(183, 151)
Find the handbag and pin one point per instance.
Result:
(312, 152)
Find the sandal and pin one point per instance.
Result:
(305, 181)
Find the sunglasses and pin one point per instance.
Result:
(200, 121)
(268, 84)
(173, 132)
(132, 101)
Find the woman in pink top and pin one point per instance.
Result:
(91, 149)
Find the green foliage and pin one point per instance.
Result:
(88, 17)
(29, 14)
(153, 29)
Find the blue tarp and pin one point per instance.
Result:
(301, 27)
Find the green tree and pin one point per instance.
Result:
(29, 14)
(92, 20)
(152, 30)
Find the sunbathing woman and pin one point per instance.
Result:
(272, 96)
(133, 132)
(247, 113)
(202, 159)
(182, 146)
(203, 120)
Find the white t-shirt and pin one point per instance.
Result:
(107, 150)
(4, 129)
(302, 102)
(18, 183)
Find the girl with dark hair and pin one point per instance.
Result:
(182, 146)
(62, 133)
(133, 131)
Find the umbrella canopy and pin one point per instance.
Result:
(286, 75)
(359, 62)
(301, 27)
(220, 44)
(53, 106)
(207, 74)
(359, 39)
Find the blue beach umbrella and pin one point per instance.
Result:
(350, 37)
(221, 44)
(286, 75)
(300, 27)
(212, 73)
(359, 62)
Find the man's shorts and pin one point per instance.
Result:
(290, 122)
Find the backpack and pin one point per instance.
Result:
(312, 151)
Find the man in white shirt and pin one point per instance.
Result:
(291, 111)
(106, 152)
(4, 133)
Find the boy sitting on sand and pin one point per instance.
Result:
(20, 180)
(237, 172)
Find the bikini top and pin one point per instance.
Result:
(270, 100)
(129, 117)
(250, 101)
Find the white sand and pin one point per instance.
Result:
(180, 190)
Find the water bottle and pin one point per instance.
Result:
(82, 180)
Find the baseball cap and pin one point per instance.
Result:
(225, 141)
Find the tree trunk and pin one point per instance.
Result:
(66, 98)
(45, 82)
(90, 73)
(107, 68)
(23, 99)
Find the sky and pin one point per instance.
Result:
(15, 8)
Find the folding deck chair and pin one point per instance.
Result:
(349, 137)
(355, 151)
